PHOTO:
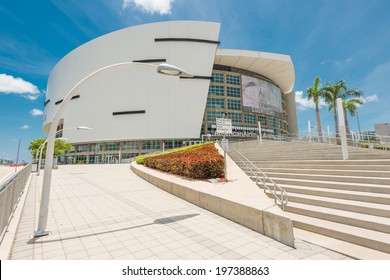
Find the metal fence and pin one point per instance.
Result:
(10, 192)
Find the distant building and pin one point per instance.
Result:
(6, 162)
(383, 130)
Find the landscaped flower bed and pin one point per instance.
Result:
(198, 162)
(140, 159)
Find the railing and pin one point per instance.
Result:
(371, 142)
(279, 194)
(10, 191)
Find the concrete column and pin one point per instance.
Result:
(344, 145)
(260, 136)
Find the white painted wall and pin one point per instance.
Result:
(174, 107)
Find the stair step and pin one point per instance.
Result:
(339, 246)
(282, 165)
(381, 210)
(318, 171)
(347, 201)
(332, 178)
(324, 162)
(370, 222)
(358, 196)
(368, 238)
(371, 188)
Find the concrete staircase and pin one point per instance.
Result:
(346, 201)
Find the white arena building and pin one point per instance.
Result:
(134, 110)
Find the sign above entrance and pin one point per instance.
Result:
(224, 126)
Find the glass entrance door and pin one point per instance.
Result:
(111, 159)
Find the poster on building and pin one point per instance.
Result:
(224, 126)
(260, 96)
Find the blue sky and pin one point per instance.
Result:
(335, 39)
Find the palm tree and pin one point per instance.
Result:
(334, 91)
(331, 92)
(315, 92)
(351, 106)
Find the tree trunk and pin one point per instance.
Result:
(318, 119)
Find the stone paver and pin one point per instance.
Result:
(107, 212)
(5, 171)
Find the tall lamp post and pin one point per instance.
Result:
(40, 149)
(40, 152)
(162, 68)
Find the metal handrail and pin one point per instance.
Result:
(11, 190)
(280, 195)
(382, 143)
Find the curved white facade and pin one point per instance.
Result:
(173, 107)
(133, 109)
(276, 67)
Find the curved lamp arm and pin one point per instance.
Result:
(163, 68)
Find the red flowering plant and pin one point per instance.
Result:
(200, 162)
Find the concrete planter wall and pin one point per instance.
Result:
(238, 200)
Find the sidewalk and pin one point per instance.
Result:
(107, 212)
(5, 171)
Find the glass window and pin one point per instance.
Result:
(278, 124)
(210, 127)
(211, 116)
(218, 77)
(248, 118)
(233, 91)
(96, 147)
(216, 90)
(235, 117)
(129, 155)
(215, 103)
(94, 159)
(151, 145)
(130, 145)
(171, 144)
(112, 146)
(271, 122)
(262, 120)
(82, 148)
(234, 104)
(232, 79)
(81, 159)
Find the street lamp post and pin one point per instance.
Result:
(162, 68)
(40, 149)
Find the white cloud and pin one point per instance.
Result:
(370, 98)
(336, 62)
(36, 112)
(303, 103)
(11, 85)
(31, 97)
(26, 126)
(151, 6)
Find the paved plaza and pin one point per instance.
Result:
(103, 212)
(5, 171)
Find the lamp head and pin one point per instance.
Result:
(83, 128)
(63, 139)
(167, 69)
